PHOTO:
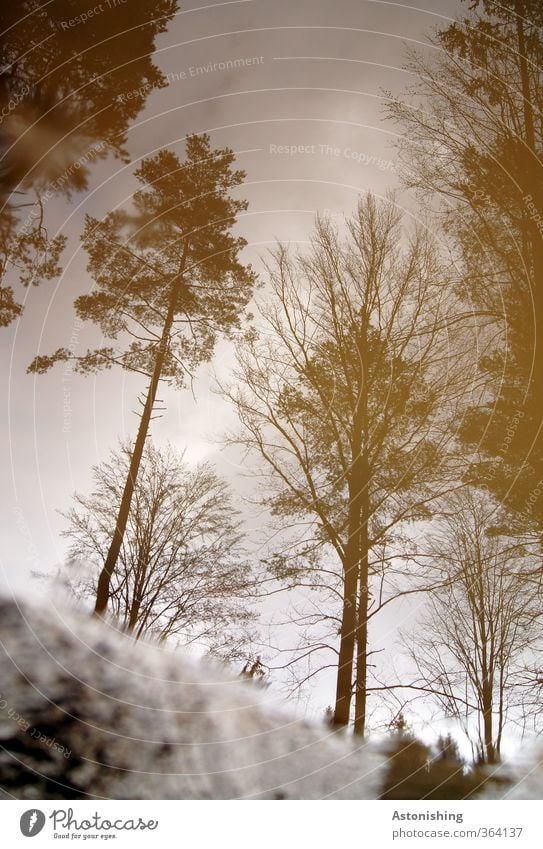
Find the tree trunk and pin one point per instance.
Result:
(351, 575)
(344, 686)
(344, 681)
(490, 753)
(487, 654)
(353, 628)
(362, 620)
(134, 614)
(529, 126)
(363, 505)
(104, 581)
(533, 185)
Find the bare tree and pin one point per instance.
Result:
(182, 572)
(481, 627)
(347, 394)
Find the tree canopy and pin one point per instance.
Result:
(472, 138)
(72, 80)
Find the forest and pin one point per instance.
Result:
(306, 448)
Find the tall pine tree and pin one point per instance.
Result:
(167, 281)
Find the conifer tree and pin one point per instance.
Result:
(472, 143)
(167, 281)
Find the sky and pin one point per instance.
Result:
(297, 90)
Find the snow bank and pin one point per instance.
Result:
(87, 712)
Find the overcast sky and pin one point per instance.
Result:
(267, 78)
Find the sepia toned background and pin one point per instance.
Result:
(298, 90)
